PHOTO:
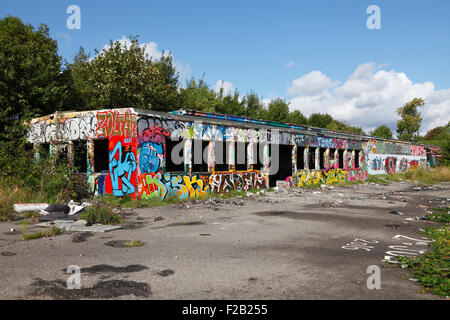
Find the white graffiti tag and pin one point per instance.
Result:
(360, 244)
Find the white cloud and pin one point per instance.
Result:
(228, 88)
(289, 64)
(152, 52)
(369, 97)
(310, 84)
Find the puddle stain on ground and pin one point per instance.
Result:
(181, 224)
(165, 273)
(108, 268)
(8, 254)
(133, 225)
(57, 289)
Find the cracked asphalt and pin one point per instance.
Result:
(291, 244)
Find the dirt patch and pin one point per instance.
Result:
(274, 213)
(57, 289)
(181, 224)
(165, 273)
(101, 268)
(81, 237)
(133, 225)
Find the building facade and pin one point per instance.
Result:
(145, 154)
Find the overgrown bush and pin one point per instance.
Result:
(100, 214)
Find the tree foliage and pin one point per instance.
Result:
(30, 83)
(382, 131)
(122, 76)
(278, 110)
(409, 125)
(320, 120)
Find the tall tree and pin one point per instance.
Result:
(253, 105)
(409, 125)
(197, 95)
(382, 132)
(337, 125)
(122, 76)
(320, 120)
(29, 74)
(296, 117)
(278, 110)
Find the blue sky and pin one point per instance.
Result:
(305, 51)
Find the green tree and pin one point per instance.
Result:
(197, 95)
(382, 132)
(337, 125)
(253, 106)
(231, 104)
(320, 120)
(296, 117)
(278, 110)
(433, 133)
(30, 82)
(122, 76)
(409, 125)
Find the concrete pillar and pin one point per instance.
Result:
(317, 158)
(231, 154)
(187, 155)
(306, 158)
(211, 156)
(90, 157)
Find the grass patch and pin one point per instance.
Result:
(133, 243)
(439, 214)
(100, 214)
(432, 269)
(52, 232)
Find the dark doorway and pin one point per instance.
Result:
(300, 158)
(312, 158)
(174, 163)
(357, 158)
(79, 153)
(199, 156)
(221, 156)
(284, 163)
(101, 155)
(341, 158)
(241, 156)
(322, 158)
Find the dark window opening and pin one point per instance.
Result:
(258, 156)
(199, 156)
(341, 158)
(241, 160)
(300, 158)
(331, 160)
(221, 156)
(28, 146)
(312, 158)
(322, 157)
(62, 158)
(79, 152)
(174, 162)
(101, 155)
(284, 163)
(357, 159)
(44, 150)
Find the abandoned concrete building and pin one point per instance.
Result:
(187, 153)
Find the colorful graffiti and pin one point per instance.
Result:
(152, 154)
(177, 185)
(222, 182)
(313, 177)
(112, 123)
(122, 165)
(382, 163)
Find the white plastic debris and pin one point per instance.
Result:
(24, 207)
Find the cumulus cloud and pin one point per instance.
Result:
(310, 84)
(369, 97)
(152, 52)
(228, 88)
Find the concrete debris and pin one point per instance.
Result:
(397, 212)
(80, 225)
(159, 219)
(316, 192)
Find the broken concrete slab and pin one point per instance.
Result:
(80, 225)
